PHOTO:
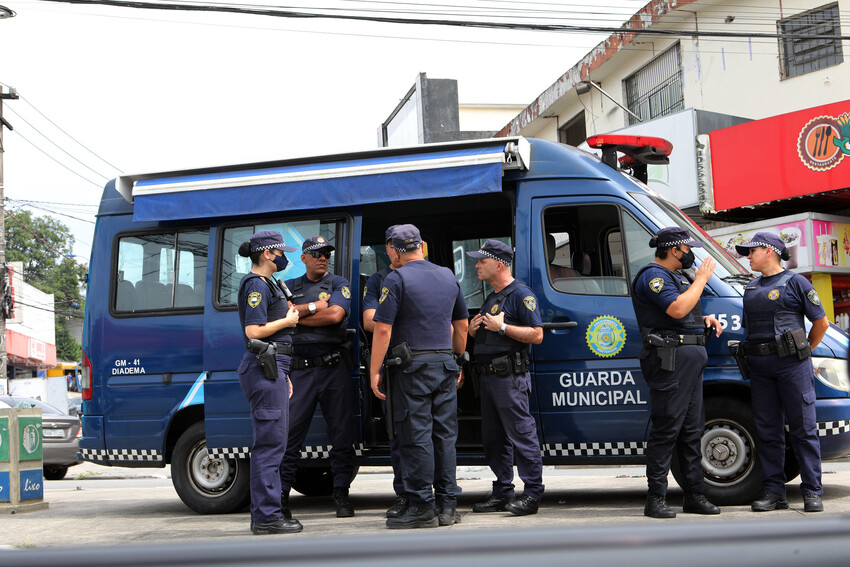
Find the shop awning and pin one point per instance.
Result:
(379, 176)
(802, 156)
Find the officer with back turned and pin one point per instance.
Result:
(320, 372)
(508, 322)
(267, 323)
(778, 351)
(673, 329)
(421, 307)
(371, 294)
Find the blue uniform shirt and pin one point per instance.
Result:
(520, 308)
(261, 302)
(658, 287)
(420, 300)
(372, 290)
(314, 341)
(799, 297)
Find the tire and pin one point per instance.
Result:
(55, 473)
(316, 481)
(206, 485)
(730, 463)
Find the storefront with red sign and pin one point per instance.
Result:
(795, 166)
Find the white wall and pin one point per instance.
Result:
(730, 76)
(33, 310)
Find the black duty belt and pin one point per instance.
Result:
(283, 348)
(762, 349)
(698, 340)
(326, 360)
(426, 352)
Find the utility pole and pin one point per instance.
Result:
(5, 280)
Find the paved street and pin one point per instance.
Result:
(109, 506)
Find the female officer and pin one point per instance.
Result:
(781, 375)
(266, 315)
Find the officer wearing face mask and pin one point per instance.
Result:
(674, 333)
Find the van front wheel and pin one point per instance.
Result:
(205, 484)
(730, 463)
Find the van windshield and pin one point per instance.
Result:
(665, 213)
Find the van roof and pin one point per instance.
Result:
(342, 180)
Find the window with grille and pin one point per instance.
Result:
(807, 54)
(656, 89)
(573, 132)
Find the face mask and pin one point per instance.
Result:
(280, 262)
(687, 259)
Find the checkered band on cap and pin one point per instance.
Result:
(766, 245)
(677, 242)
(489, 255)
(275, 246)
(404, 249)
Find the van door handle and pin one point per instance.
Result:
(560, 325)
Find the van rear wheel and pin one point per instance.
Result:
(730, 463)
(204, 484)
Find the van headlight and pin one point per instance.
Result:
(832, 372)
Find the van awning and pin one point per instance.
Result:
(379, 176)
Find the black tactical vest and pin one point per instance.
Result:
(306, 291)
(765, 318)
(491, 344)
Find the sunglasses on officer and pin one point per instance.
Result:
(320, 253)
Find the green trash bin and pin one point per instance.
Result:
(21, 474)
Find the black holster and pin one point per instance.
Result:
(346, 350)
(400, 356)
(739, 353)
(266, 357)
(666, 350)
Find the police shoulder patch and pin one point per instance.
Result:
(530, 302)
(813, 297)
(655, 284)
(254, 298)
(495, 309)
(384, 293)
(346, 293)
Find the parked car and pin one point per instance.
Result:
(60, 435)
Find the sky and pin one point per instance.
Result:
(111, 90)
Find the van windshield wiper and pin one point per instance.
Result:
(738, 278)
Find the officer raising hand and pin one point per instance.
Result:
(673, 329)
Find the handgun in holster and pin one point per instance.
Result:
(797, 343)
(266, 356)
(666, 350)
(739, 353)
(286, 293)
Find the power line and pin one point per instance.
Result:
(24, 138)
(281, 13)
(63, 150)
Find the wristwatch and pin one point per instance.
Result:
(503, 329)
(312, 307)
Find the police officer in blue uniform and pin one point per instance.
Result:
(320, 369)
(508, 322)
(780, 369)
(673, 329)
(422, 310)
(265, 315)
(371, 293)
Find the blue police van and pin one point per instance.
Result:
(162, 338)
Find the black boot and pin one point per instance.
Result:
(523, 506)
(695, 503)
(770, 501)
(656, 507)
(812, 502)
(399, 507)
(448, 516)
(279, 526)
(491, 505)
(344, 509)
(414, 517)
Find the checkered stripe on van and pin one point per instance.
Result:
(229, 452)
(121, 455)
(833, 427)
(309, 452)
(594, 449)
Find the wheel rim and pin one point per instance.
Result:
(727, 452)
(208, 476)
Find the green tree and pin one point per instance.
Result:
(41, 243)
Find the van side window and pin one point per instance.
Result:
(161, 271)
(584, 250)
(474, 290)
(233, 267)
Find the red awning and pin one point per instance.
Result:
(26, 351)
(800, 154)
